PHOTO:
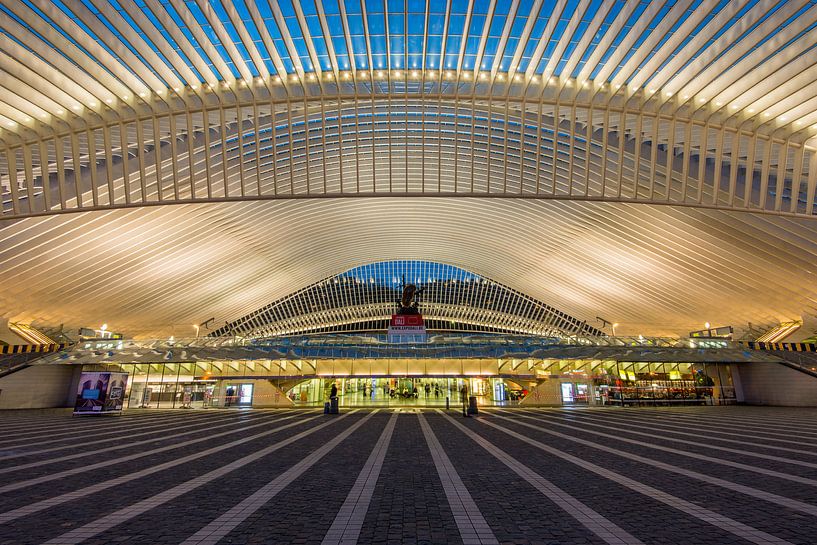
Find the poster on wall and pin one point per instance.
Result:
(100, 392)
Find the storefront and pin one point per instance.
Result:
(492, 382)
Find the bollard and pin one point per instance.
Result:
(472, 405)
(446, 403)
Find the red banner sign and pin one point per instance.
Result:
(402, 320)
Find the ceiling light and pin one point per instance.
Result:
(719, 104)
(500, 77)
(585, 83)
(243, 83)
(27, 119)
(176, 89)
(108, 100)
(685, 97)
(517, 77)
(11, 123)
(142, 95)
(398, 74)
(75, 107)
(701, 99)
(92, 104)
(766, 114)
(483, 75)
(734, 106)
(415, 74)
(124, 97)
(60, 111)
(814, 126)
(668, 93)
(43, 116)
(618, 86)
(782, 118)
(160, 91)
(751, 110)
(652, 90)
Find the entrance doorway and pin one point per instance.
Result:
(239, 395)
(567, 393)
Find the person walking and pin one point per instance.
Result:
(464, 396)
(428, 390)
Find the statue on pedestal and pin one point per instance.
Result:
(408, 306)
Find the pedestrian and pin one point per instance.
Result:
(333, 393)
(428, 390)
(437, 391)
(464, 396)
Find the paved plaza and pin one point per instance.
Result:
(694, 475)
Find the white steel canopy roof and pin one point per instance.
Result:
(653, 163)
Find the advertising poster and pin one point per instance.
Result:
(100, 392)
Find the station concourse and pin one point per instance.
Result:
(405, 271)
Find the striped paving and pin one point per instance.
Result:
(594, 476)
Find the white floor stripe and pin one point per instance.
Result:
(751, 428)
(106, 422)
(631, 422)
(470, 522)
(69, 436)
(197, 427)
(223, 525)
(743, 489)
(725, 523)
(556, 421)
(587, 517)
(346, 527)
(98, 526)
(755, 420)
(713, 429)
(36, 507)
(62, 419)
(264, 421)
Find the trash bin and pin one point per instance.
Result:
(334, 406)
(472, 405)
(326, 408)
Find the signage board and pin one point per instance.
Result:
(100, 392)
(407, 328)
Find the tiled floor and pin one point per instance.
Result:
(702, 475)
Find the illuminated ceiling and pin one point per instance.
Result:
(652, 163)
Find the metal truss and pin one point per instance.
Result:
(133, 105)
(364, 298)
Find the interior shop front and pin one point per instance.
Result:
(197, 385)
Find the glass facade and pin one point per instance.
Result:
(426, 383)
